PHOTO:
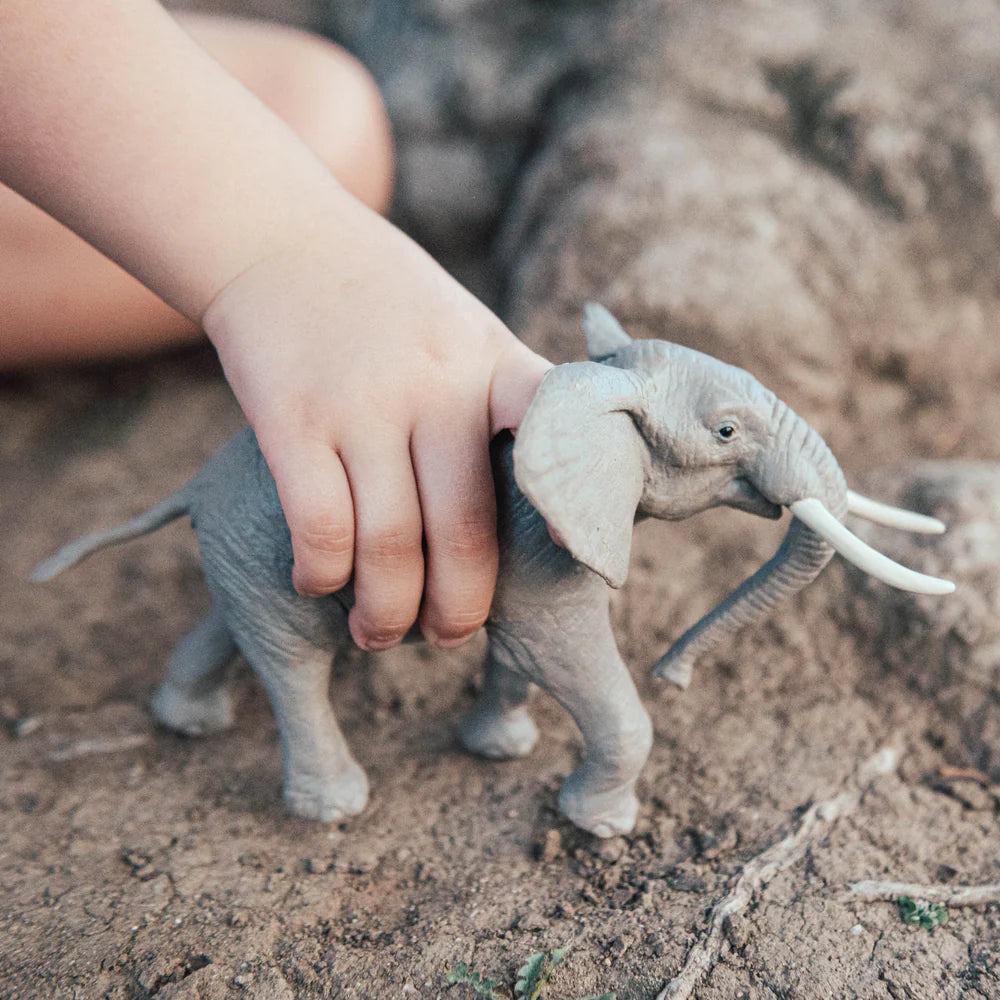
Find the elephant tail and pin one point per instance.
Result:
(175, 506)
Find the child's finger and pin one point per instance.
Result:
(388, 557)
(316, 498)
(459, 509)
(515, 380)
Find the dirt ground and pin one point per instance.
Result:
(134, 863)
(784, 188)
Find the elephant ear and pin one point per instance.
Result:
(580, 459)
(603, 332)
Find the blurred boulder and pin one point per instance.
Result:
(810, 190)
(947, 648)
(807, 188)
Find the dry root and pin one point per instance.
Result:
(766, 865)
(946, 895)
(90, 747)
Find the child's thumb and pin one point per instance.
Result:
(516, 378)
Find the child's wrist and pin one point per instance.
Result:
(284, 225)
(267, 271)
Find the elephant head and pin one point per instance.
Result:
(650, 428)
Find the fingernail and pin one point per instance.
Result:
(554, 535)
(313, 589)
(451, 642)
(377, 645)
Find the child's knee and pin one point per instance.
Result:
(334, 104)
(321, 91)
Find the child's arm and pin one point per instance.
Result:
(372, 379)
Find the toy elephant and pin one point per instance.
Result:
(644, 429)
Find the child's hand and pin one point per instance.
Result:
(373, 380)
(374, 383)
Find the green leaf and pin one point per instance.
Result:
(559, 954)
(532, 978)
(459, 973)
(462, 975)
(528, 975)
(919, 912)
(532, 967)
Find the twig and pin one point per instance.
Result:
(767, 864)
(85, 748)
(950, 773)
(949, 895)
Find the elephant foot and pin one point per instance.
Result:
(498, 736)
(328, 799)
(606, 813)
(193, 715)
(675, 669)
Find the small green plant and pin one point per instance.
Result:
(463, 975)
(919, 911)
(532, 978)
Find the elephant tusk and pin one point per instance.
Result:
(893, 517)
(814, 514)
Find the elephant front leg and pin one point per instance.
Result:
(599, 795)
(592, 683)
(194, 698)
(498, 724)
(322, 780)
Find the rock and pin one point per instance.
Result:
(788, 200)
(469, 86)
(946, 648)
(772, 183)
(209, 983)
(452, 180)
(268, 984)
(551, 848)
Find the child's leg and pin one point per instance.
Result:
(60, 300)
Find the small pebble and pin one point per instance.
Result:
(25, 727)
(552, 846)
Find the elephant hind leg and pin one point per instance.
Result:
(498, 724)
(194, 698)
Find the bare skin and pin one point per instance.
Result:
(374, 381)
(63, 301)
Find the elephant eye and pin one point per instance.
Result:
(726, 432)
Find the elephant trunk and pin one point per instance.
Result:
(801, 473)
(796, 563)
(799, 465)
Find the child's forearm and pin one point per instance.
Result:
(373, 381)
(119, 125)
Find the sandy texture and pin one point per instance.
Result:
(811, 190)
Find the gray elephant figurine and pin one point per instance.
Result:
(644, 429)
